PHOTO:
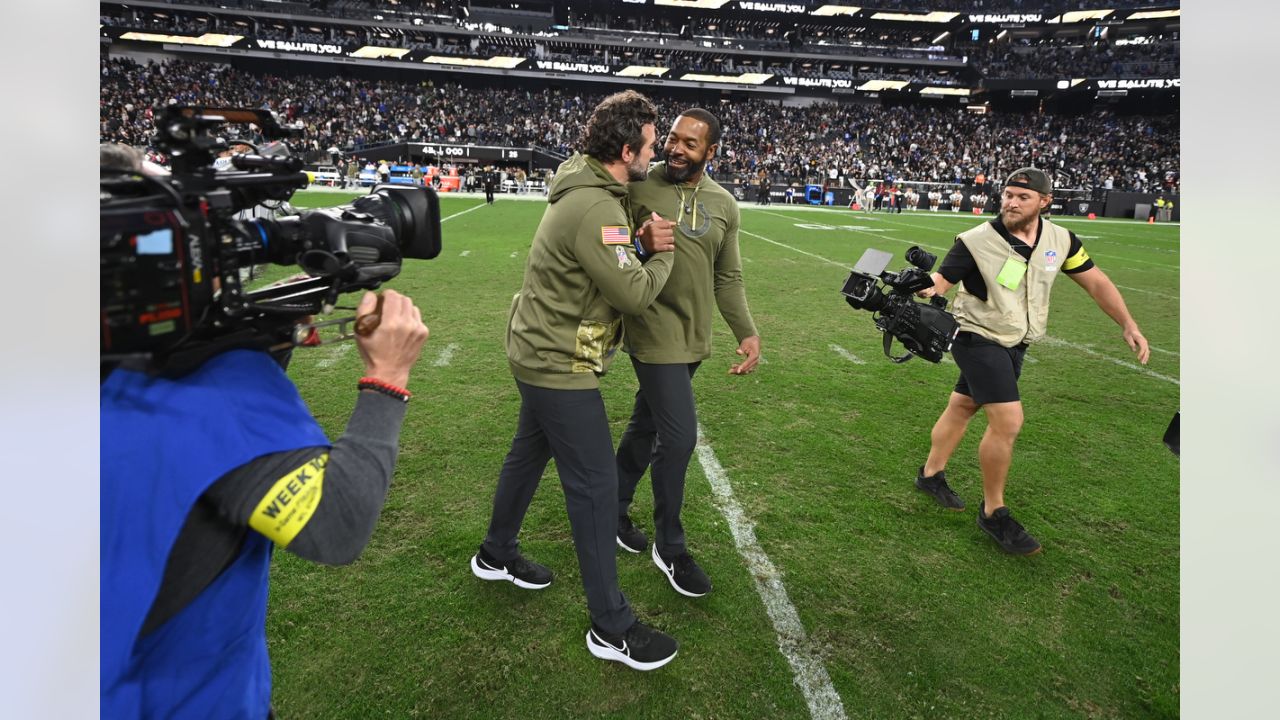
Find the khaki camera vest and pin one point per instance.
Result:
(1009, 317)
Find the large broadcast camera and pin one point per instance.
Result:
(173, 247)
(925, 329)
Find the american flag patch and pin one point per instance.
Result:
(615, 235)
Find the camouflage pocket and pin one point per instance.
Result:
(596, 343)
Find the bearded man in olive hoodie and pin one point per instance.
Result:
(670, 338)
(563, 331)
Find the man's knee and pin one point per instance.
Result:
(1005, 419)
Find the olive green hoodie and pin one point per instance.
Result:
(581, 277)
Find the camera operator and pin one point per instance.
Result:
(1005, 269)
(202, 474)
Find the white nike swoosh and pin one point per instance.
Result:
(622, 649)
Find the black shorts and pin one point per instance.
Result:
(989, 372)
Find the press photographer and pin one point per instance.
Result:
(209, 457)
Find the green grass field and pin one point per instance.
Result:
(910, 610)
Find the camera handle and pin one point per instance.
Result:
(888, 341)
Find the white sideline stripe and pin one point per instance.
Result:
(334, 355)
(465, 253)
(810, 673)
(1162, 350)
(1123, 363)
(1149, 292)
(447, 354)
(463, 212)
(846, 354)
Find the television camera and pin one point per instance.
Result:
(173, 247)
(925, 329)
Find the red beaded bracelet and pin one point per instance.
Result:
(371, 383)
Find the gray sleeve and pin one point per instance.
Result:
(356, 479)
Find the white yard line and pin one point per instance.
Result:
(446, 354)
(802, 252)
(1148, 292)
(463, 212)
(1162, 350)
(464, 253)
(335, 354)
(1123, 363)
(806, 662)
(846, 354)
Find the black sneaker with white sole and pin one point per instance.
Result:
(525, 574)
(630, 538)
(683, 573)
(936, 487)
(639, 648)
(1007, 532)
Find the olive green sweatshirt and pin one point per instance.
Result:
(676, 328)
(582, 275)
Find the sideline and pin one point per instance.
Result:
(806, 662)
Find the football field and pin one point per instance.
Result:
(840, 590)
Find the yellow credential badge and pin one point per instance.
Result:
(290, 503)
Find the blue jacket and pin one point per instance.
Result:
(163, 443)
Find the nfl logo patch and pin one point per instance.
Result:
(1050, 260)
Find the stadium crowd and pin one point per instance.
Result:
(791, 144)
(1059, 59)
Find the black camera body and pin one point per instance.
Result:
(925, 329)
(173, 247)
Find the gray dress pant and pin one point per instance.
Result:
(571, 426)
(661, 435)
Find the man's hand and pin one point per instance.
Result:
(657, 235)
(1137, 343)
(750, 348)
(391, 349)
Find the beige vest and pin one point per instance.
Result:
(1009, 317)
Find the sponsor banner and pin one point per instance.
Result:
(1003, 18)
(771, 7)
(1140, 84)
(573, 67)
(306, 48)
(818, 82)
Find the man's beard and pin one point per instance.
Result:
(637, 170)
(1017, 225)
(677, 175)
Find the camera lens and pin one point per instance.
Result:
(921, 259)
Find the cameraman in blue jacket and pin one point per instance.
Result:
(202, 476)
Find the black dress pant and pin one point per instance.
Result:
(571, 426)
(661, 436)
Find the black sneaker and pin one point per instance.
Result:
(630, 538)
(525, 574)
(1007, 532)
(936, 487)
(640, 647)
(683, 573)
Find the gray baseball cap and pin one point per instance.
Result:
(1031, 179)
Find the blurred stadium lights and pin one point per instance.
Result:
(937, 16)
(829, 10)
